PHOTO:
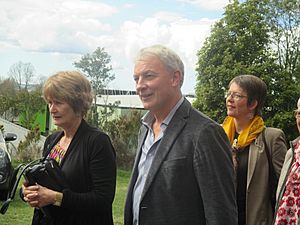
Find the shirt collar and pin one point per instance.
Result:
(148, 118)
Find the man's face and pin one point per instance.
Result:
(298, 118)
(155, 85)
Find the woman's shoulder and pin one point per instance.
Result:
(272, 131)
(97, 140)
(53, 136)
(93, 131)
(93, 134)
(275, 136)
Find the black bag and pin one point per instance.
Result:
(273, 179)
(45, 172)
(48, 174)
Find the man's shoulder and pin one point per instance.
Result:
(197, 116)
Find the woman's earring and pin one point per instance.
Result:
(250, 115)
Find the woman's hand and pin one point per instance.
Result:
(38, 196)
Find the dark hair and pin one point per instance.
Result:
(255, 88)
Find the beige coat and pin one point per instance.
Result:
(258, 204)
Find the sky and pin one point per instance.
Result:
(52, 35)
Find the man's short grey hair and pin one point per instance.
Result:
(167, 56)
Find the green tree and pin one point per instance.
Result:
(237, 45)
(29, 148)
(284, 20)
(241, 43)
(8, 90)
(8, 87)
(20, 103)
(97, 67)
(123, 132)
(29, 104)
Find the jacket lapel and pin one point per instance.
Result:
(174, 128)
(253, 154)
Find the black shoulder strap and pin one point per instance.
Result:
(271, 168)
(273, 179)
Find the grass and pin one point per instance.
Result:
(19, 213)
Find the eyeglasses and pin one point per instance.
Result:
(236, 96)
(297, 114)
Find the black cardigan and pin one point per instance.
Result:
(90, 169)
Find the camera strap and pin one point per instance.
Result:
(12, 192)
(22, 168)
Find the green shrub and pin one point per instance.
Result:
(123, 132)
(29, 149)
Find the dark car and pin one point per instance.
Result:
(6, 168)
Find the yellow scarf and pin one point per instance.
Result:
(247, 135)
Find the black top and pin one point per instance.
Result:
(242, 170)
(90, 169)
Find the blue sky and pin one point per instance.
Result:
(51, 35)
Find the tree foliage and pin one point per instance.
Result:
(242, 42)
(22, 103)
(22, 73)
(284, 20)
(8, 98)
(123, 132)
(29, 148)
(97, 67)
(29, 104)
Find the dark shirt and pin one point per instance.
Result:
(242, 157)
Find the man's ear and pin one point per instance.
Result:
(176, 78)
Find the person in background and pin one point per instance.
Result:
(84, 153)
(245, 129)
(288, 190)
(183, 172)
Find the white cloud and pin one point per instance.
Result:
(78, 26)
(128, 6)
(167, 16)
(205, 4)
(41, 25)
(183, 35)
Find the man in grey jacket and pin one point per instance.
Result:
(183, 172)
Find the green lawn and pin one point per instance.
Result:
(19, 213)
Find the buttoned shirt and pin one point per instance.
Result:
(149, 148)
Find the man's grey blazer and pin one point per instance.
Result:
(191, 179)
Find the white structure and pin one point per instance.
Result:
(122, 101)
(125, 101)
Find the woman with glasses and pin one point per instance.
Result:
(251, 142)
(288, 191)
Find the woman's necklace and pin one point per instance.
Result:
(65, 142)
